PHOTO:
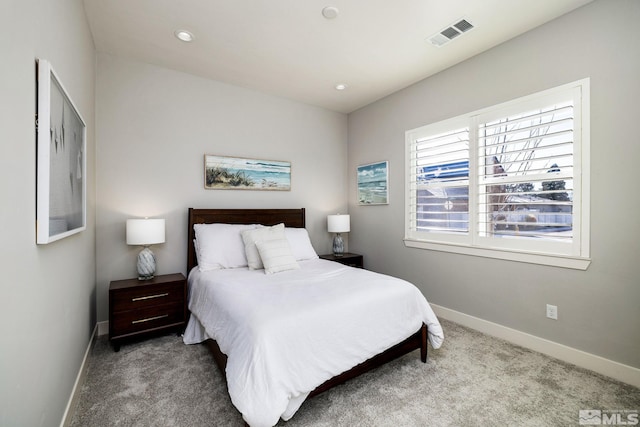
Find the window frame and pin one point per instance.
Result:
(577, 256)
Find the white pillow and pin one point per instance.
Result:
(220, 245)
(276, 255)
(301, 247)
(250, 237)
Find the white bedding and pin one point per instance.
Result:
(286, 333)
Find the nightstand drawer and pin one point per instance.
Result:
(148, 318)
(142, 296)
(139, 308)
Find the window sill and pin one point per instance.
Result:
(531, 258)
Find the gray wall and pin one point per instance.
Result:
(598, 308)
(154, 127)
(47, 309)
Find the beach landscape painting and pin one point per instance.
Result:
(373, 183)
(234, 173)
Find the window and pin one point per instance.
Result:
(510, 181)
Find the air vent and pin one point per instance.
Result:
(463, 26)
(451, 32)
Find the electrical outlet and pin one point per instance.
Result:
(552, 311)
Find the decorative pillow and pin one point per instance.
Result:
(301, 247)
(250, 237)
(276, 255)
(220, 245)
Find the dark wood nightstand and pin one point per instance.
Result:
(352, 260)
(141, 307)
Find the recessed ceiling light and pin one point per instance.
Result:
(330, 12)
(184, 35)
(341, 86)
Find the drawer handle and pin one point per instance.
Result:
(150, 296)
(149, 319)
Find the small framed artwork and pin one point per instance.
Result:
(373, 184)
(235, 173)
(61, 208)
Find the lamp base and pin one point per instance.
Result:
(146, 264)
(338, 245)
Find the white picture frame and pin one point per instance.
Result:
(61, 185)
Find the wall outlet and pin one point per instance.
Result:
(552, 311)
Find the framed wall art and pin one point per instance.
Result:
(234, 173)
(61, 207)
(373, 184)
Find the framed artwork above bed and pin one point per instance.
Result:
(61, 207)
(235, 173)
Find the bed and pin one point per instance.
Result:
(299, 331)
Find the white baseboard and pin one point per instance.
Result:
(103, 328)
(625, 373)
(75, 392)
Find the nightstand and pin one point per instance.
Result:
(352, 260)
(142, 307)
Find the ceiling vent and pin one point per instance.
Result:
(451, 32)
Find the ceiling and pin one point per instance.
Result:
(288, 49)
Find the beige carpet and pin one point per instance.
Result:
(473, 380)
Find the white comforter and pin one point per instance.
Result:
(286, 333)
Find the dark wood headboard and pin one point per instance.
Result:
(290, 218)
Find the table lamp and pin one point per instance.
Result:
(338, 224)
(145, 232)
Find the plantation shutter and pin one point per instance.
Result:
(510, 181)
(526, 174)
(439, 182)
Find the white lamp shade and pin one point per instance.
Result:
(338, 223)
(145, 231)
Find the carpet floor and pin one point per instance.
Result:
(473, 380)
